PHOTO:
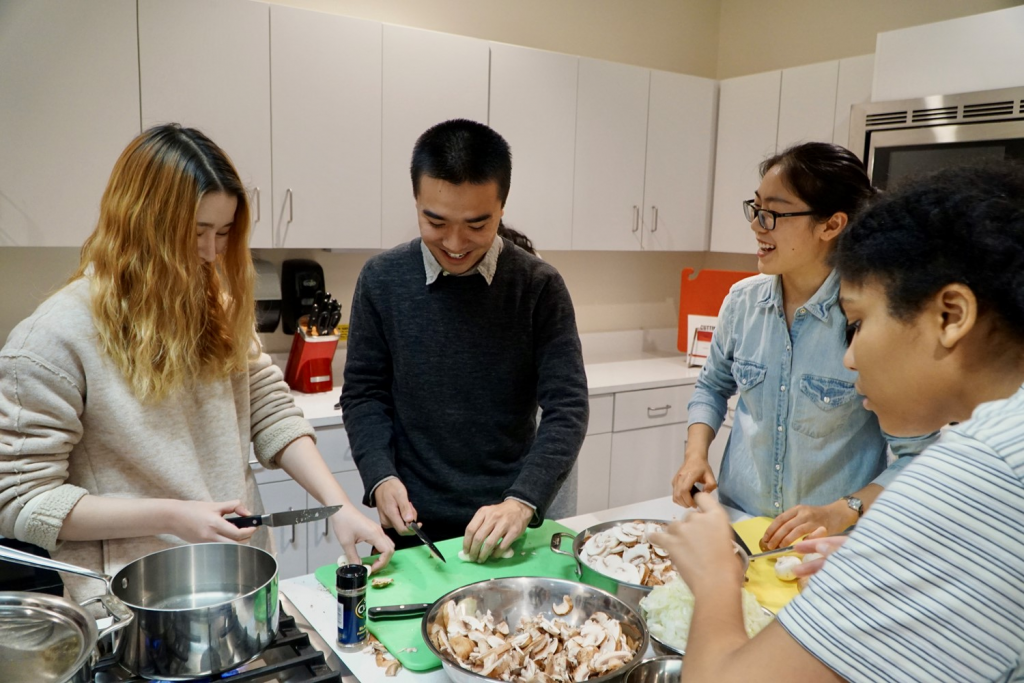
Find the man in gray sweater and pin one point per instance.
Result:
(455, 339)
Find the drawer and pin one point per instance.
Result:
(601, 410)
(651, 407)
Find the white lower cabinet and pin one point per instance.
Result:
(595, 473)
(305, 547)
(289, 541)
(643, 463)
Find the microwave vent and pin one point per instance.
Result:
(936, 114)
(886, 119)
(984, 110)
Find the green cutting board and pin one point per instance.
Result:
(418, 577)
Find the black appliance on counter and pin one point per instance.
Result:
(18, 577)
(301, 279)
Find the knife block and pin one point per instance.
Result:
(309, 362)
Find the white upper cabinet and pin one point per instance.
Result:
(206, 64)
(533, 106)
(855, 76)
(611, 144)
(807, 106)
(680, 163)
(69, 86)
(326, 104)
(748, 121)
(428, 78)
(977, 52)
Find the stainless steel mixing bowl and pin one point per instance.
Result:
(511, 599)
(656, 670)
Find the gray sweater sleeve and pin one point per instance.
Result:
(366, 401)
(562, 395)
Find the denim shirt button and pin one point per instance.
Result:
(778, 467)
(776, 503)
(782, 388)
(780, 428)
(827, 399)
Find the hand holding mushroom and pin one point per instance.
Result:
(504, 522)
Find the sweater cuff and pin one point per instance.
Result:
(45, 516)
(370, 495)
(271, 441)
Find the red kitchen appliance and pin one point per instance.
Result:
(309, 362)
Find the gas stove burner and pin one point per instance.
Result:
(289, 657)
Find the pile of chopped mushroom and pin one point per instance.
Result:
(624, 553)
(539, 651)
(384, 659)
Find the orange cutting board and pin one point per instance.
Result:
(702, 294)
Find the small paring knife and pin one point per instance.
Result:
(285, 518)
(415, 526)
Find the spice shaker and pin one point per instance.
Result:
(351, 585)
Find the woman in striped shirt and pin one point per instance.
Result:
(930, 586)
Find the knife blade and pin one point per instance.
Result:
(427, 542)
(285, 518)
(398, 611)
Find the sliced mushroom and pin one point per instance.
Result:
(393, 668)
(564, 607)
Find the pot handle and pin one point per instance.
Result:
(30, 560)
(117, 610)
(556, 547)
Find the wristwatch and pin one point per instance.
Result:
(855, 503)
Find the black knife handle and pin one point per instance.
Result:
(397, 611)
(246, 522)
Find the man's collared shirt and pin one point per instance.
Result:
(487, 266)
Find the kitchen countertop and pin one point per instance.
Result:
(319, 607)
(647, 372)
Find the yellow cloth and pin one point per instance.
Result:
(770, 590)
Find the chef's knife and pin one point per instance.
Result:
(398, 611)
(285, 518)
(415, 526)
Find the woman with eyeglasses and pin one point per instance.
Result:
(802, 449)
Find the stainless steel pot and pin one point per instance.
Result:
(630, 593)
(47, 639)
(200, 610)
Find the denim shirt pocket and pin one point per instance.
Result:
(749, 378)
(823, 405)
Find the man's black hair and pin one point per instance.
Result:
(462, 151)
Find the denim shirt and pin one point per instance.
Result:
(801, 434)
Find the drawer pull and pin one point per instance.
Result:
(658, 412)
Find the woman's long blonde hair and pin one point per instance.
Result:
(166, 318)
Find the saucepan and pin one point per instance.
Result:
(199, 610)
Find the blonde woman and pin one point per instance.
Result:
(128, 400)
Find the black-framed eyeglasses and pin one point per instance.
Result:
(766, 217)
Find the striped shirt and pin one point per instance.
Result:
(930, 587)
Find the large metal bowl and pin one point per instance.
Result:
(660, 647)
(657, 670)
(630, 593)
(511, 599)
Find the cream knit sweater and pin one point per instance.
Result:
(69, 425)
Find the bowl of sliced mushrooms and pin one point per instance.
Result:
(527, 629)
(619, 557)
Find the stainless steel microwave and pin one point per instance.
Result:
(906, 137)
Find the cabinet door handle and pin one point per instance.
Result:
(291, 201)
(327, 527)
(290, 508)
(636, 218)
(654, 218)
(256, 201)
(658, 412)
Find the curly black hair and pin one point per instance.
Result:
(958, 225)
